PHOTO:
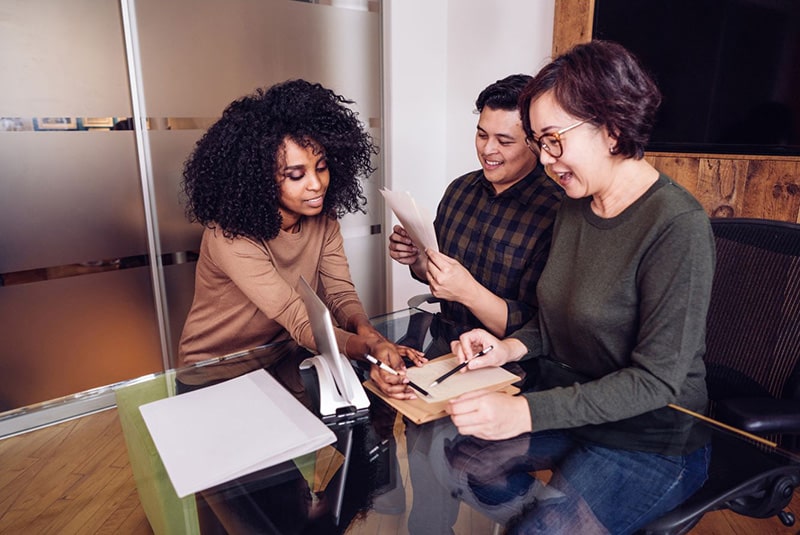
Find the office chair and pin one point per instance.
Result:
(752, 354)
(419, 300)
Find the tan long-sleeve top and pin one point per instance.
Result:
(245, 290)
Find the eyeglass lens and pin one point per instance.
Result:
(552, 144)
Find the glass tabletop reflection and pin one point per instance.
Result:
(385, 473)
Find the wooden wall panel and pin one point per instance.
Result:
(772, 190)
(573, 24)
(726, 185)
(721, 186)
(683, 170)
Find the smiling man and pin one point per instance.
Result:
(493, 225)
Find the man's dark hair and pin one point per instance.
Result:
(503, 94)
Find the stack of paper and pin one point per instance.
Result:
(218, 433)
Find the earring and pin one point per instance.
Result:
(613, 150)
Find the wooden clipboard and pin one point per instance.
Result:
(420, 411)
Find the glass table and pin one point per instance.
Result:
(383, 474)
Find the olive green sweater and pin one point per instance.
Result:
(621, 323)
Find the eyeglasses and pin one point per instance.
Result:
(551, 142)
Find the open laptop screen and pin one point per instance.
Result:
(322, 327)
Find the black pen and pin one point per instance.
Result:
(480, 353)
(386, 368)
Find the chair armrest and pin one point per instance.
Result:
(418, 300)
(761, 415)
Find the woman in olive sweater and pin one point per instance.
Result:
(620, 331)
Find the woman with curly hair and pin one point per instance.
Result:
(268, 182)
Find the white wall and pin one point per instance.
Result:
(438, 55)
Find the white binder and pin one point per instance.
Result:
(340, 389)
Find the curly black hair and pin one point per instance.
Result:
(229, 180)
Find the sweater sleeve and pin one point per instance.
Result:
(673, 282)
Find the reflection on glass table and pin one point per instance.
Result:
(384, 473)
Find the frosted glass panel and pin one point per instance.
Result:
(68, 335)
(169, 149)
(71, 196)
(179, 281)
(197, 56)
(62, 58)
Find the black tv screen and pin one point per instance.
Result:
(729, 70)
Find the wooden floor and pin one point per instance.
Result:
(74, 478)
(70, 478)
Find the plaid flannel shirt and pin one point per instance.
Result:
(502, 240)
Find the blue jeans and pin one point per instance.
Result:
(593, 489)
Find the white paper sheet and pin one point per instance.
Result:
(458, 383)
(413, 217)
(221, 432)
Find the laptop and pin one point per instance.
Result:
(339, 385)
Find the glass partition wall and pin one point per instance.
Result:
(103, 102)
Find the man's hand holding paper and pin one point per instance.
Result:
(402, 247)
(417, 224)
(449, 280)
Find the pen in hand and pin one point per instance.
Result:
(386, 368)
(480, 353)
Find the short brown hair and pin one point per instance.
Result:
(604, 82)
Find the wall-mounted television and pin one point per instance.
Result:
(729, 70)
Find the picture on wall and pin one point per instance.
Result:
(54, 123)
(98, 122)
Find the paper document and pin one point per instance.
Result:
(218, 433)
(413, 217)
(458, 383)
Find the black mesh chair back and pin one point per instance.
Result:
(753, 338)
(752, 354)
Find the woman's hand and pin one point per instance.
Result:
(417, 357)
(392, 354)
(476, 340)
(394, 386)
(490, 415)
(373, 342)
